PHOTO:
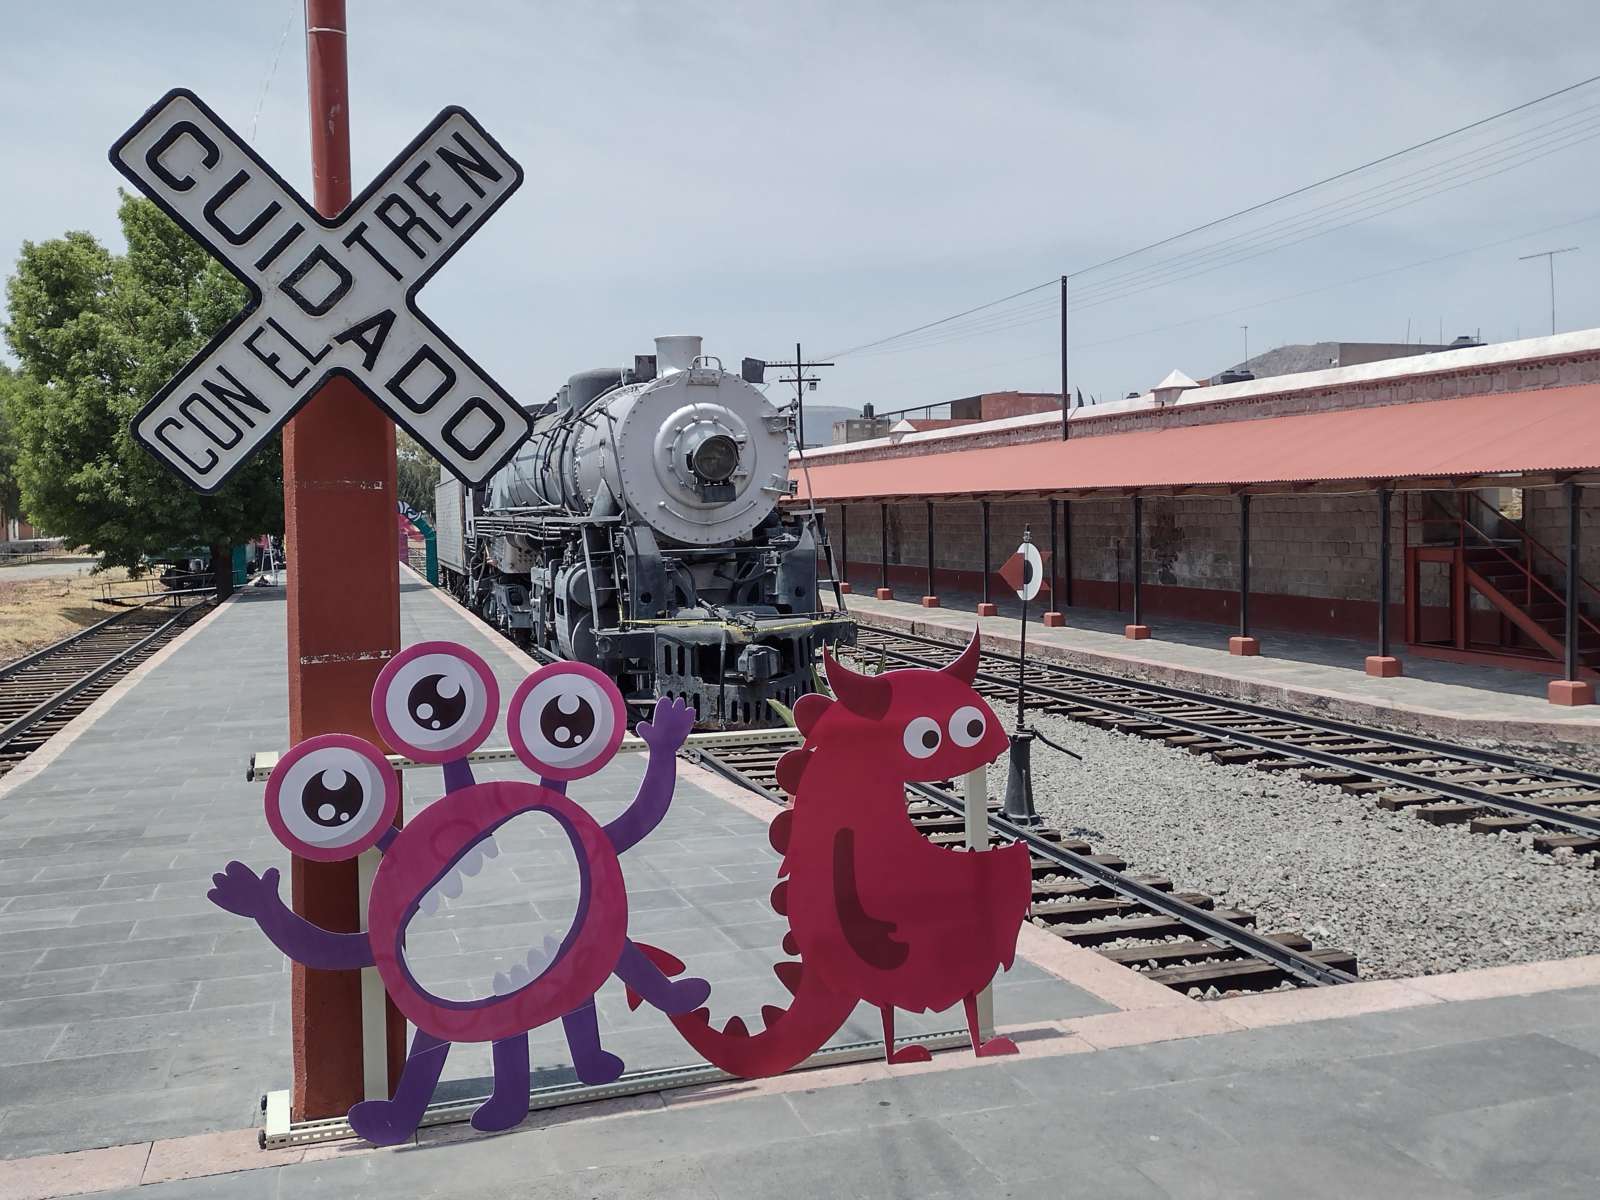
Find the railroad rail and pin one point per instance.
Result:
(1179, 939)
(41, 692)
(1438, 781)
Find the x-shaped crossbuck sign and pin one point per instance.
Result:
(327, 297)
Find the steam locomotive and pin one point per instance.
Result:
(639, 529)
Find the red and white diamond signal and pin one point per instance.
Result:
(1024, 571)
(327, 297)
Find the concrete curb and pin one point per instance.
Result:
(1576, 733)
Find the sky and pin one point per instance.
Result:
(766, 173)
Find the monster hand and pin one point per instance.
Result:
(663, 733)
(239, 890)
(668, 727)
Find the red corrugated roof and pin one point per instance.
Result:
(1555, 429)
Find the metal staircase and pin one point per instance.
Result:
(1522, 582)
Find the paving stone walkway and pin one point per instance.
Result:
(132, 1009)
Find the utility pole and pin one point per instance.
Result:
(1549, 257)
(1246, 364)
(801, 381)
(344, 611)
(1066, 396)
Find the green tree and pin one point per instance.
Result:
(416, 473)
(10, 495)
(97, 334)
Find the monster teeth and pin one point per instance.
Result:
(471, 862)
(518, 976)
(488, 847)
(552, 946)
(429, 904)
(503, 986)
(537, 960)
(451, 885)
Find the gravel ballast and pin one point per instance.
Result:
(1408, 897)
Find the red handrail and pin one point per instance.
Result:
(1529, 540)
(1531, 577)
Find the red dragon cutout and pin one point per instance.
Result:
(876, 911)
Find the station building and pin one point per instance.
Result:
(1272, 504)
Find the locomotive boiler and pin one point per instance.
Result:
(639, 529)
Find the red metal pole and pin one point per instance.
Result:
(344, 607)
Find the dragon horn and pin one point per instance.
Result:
(865, 695)
(965, 667)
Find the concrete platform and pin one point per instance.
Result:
(132, 1009)
(138, 1025)
(1324, 675)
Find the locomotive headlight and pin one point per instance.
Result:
(715, 458)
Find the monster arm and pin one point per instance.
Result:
(239, 890)
(664, 734)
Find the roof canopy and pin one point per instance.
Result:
(1539, 435)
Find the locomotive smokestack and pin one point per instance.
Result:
(676, 353)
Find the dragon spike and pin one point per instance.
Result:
(965, 667)
(771, 1014)
(788, 974)
(865, 695)
(736, 1027)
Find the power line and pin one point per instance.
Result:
(1334, 178)
(1293, 235)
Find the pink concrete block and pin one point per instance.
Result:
(884, 593)
(1519, 979)
(1094, 973)
(930, 602)
(1148, 1025)
(1055, 620)
(1244, 646)
(988, 610)
(1320, 1004)
(844, 587)
(1384, 666)
(49, 1175)
(1571, 692)
(213, 1154)
(1136, 633)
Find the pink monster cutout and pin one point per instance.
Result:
(333, 796)
(876, 911)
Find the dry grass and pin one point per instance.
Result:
(36, 612)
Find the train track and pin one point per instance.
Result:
(1179, 939)
(1438, 781)
(41, 692)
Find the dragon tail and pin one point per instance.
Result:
(791, 1035)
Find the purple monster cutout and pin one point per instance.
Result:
(333, 796)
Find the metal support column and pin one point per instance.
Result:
(884, 591)
(1243, 643)
(844, 548)
(1053, 617)
(1138, 629)
(1066, 553)
(1383, 664)
(930, 598)
(985, 607)
(1570, 689)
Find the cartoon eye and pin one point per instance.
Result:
(435, 701)
(331, 797)
(967, 726)
(566, 720)
(922, 737)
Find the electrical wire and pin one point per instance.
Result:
(934, 332)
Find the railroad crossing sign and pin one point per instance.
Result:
(1024, 571)
(327, 297)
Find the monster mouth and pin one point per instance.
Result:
(473, 937)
